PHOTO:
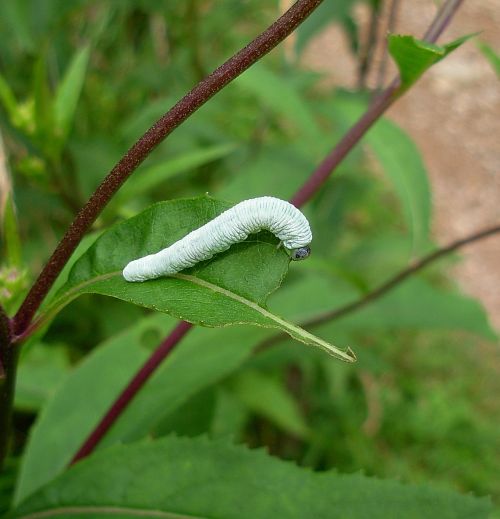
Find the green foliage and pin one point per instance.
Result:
(218, 292)
(413, 57)
(204, 357)
(491, 55)
(80, 82)
(11, 240)
(176, 478)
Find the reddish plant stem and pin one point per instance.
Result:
(8, 364)
(391, 26)
(198, 96)
(321, 174)
(131, 390)
(401, 276)
(388, 285)
(366, 58)
(380, 105)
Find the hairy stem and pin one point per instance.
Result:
(126, 396)
(378, 107)
(198, 96)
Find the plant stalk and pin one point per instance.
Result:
(8, 364)
(127, 395)
(378, 107)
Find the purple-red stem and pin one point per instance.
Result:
(131, 390)
(312, 185)
(380, 104)
(8, 363)
(198, 96)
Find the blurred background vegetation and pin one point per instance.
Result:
(81, 80)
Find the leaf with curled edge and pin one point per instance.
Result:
(230, 288)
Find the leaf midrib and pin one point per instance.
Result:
(293, 330)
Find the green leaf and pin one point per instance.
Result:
(491, 55)
(203, 358)
(181, 478)
(402, 163)
(8, 99)
(231, 288)
(415, 304)
(44, 112)
(10, 233)
(69, 90)
(41, 369)
(266, 396)
(153, 176)
(413, 57)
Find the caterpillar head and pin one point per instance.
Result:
(301, 253)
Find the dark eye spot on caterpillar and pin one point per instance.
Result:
(301, 253)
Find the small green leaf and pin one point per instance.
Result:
(194, 478)
(10, 233)
(7, 98)
(232, 288)
(266, 396)
(44, 115)
(413, 57)
(68, 92)
(491, 55)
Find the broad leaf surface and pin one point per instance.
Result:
(204, 357)
(42, 369)
(179, 478)
(231, 288)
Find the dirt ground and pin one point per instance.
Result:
(453, 114)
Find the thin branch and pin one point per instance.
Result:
(380, 105)
(131, 390)
(442, 20)
(198, 96)
(366, 58)
(390, 284)
(391, 28)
